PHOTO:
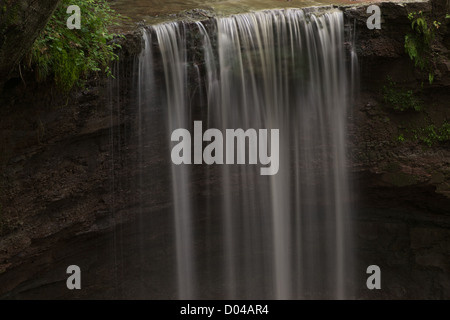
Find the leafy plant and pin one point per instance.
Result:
(418, 43)
(70, 55)
(433, 134)
(436, 24)
(400, 100)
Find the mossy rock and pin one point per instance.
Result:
(444, 189)
(392, 167)
(437, 177)
(399, 179)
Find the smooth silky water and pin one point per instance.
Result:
(286, 236)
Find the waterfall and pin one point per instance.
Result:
(285, 236)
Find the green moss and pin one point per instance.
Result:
(392, 167)
(399, 99)
(430, 135)
(400, 179)
(437, 177)
(68, 70)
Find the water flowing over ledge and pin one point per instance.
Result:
(285, 236)
(159, 11)
(75, 193)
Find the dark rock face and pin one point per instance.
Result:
(402, 217)
(20, 24)
(58, 153)
(71, 189)
(375, 128)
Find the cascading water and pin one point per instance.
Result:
(284, 236)
(171, 39)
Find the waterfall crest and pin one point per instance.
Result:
(286, 236)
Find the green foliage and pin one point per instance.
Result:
(400, 100)
(432, 134)
(429, 135)
(418, 43)
(70, 55)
